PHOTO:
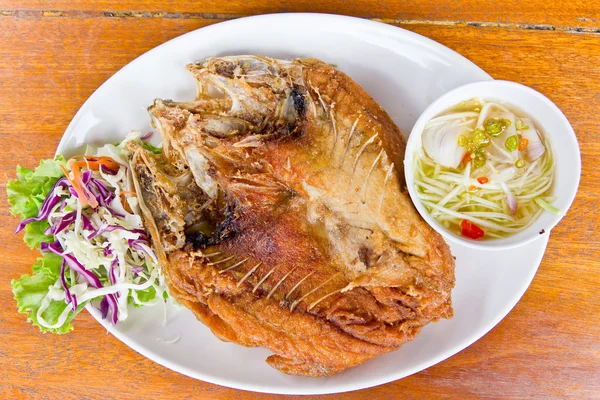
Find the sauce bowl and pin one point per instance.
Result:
(551, 122)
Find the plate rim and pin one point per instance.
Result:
(339, 388)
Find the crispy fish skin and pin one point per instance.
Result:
(292, 229)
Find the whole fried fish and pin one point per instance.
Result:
(278, 213)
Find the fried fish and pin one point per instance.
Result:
(278, 212)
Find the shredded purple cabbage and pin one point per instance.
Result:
(87, 224)
(63, 283)
(111, 228)
(107, 170)
(103, 307)
(142, 239)
(94, 192)
(73, 264)
(147, 136)
(86, 176)
(44, 246)
(111, 274)
(56, 248)
(107, 251)
(61, 224)
(103, 194)
(74, 302)
(136, 269)
(115, 213)
(111, 271)
(135, 244)
(114, 309)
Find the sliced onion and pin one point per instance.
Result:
(441, 144)
(511, 199)
(535, 148)
(497, 147)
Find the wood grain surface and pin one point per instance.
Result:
(550, 15)
(54, 55)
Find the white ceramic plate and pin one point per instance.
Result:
(404, 72)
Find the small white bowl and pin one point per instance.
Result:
(552, 122)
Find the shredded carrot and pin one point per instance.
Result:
(94, 162)
(89, 162)
(77, 185)
(125, 202)
(93, 165)
(64, 170)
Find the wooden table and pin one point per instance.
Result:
(53, 56)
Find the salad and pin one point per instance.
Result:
(83, 215)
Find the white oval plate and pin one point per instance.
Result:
(404, 72)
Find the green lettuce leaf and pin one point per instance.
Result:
(29, 291)
(34, 234)
(27, 193)
(147, 294)
(144, 296)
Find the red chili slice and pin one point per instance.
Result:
(466, 159)
(470, 230)
(483, 180)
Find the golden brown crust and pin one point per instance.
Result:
(351, 99)
(317, 252)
